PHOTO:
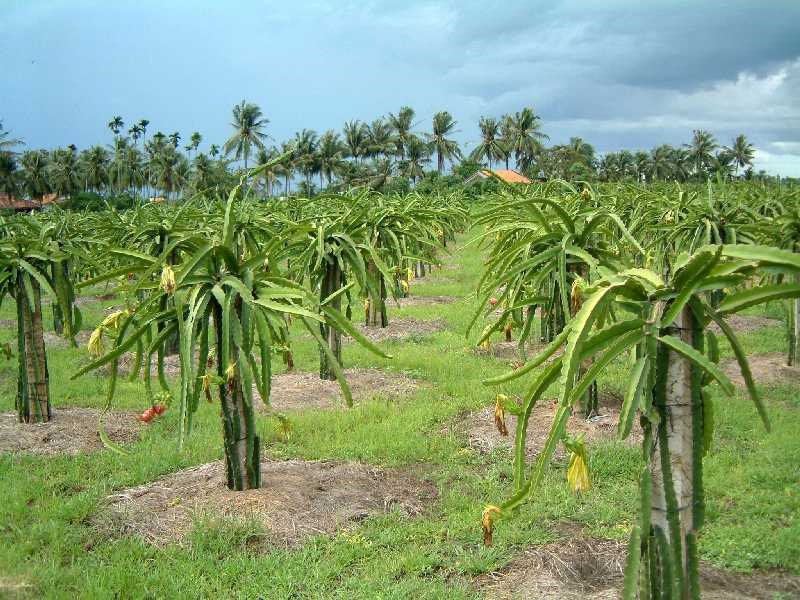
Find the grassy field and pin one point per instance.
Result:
(50, 549)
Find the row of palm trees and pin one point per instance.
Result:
(701, 158)
(364, 153)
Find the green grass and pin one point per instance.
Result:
(46, 502)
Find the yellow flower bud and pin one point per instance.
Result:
(578, 468)
(168, 279)
(95, 345)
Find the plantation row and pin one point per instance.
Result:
(219, 283)
(609, 274)
(636, 274)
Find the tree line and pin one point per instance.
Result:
(386, 153)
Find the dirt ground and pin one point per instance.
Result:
(425, 301)
(482, 435)
(745, 323)
(436, 279)
(56, 341)
(510, 350)
(72, 431)
(767, 369)
(298, 391)
(297, 499)
(579, 567)
(401, 328)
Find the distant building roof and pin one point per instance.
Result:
(507, 175)
(10, 202)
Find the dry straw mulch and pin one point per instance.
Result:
(767, 369)
(483, 436)
(71, 431)
(297, 499)
(401, 329)
(298, 391)
(580, 567)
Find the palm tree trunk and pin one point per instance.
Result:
(333, 337)
(676, 458)
(242, 445)
(33, 382)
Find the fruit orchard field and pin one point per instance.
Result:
(56, 547)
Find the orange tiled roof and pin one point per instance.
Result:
(507, 175)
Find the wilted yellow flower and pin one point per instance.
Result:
(576, 294)
(487, 523)
(409, 274)
(112, 320)
(230, 372)
(485, 344)
(95, 344)
(578, 468)
(404, 286)
(500, 413)
(168, 279)
(366, 304)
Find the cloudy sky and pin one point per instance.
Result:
(620, 74)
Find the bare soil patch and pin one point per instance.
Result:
(298, 499)
(298, 391)
(54, 340)
(437, 279)
(426, 300)
(402, 328)
(172, 365)
(72, 431)
(745, 323)
(585, 568)
(510, 350)
(768, 368)
(482, 435)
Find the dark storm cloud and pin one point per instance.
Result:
(617, 73)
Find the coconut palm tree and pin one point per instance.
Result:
(305, 153)
(331, 155)
(34, 173)
(356, 139)
(248, 124)
(203, 177)
(491, 147)
(7, 144)
(93, 164)
(213, 151)
(63, 172)
(401, 125)
(701, 150)
(417, 156)
(446, 149)
(380, 140)
(523, 136)
(660, 164)
(742, 152)
(286, 168)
